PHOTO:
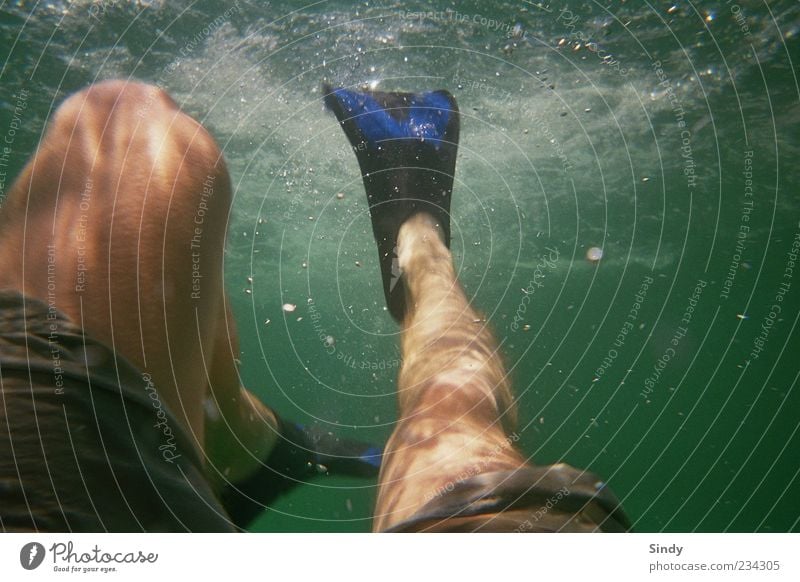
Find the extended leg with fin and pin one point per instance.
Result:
(406, 145)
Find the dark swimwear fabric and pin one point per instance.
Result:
(85, 443)
(552, 498)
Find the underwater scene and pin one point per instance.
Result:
(625, 215)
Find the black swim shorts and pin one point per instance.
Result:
(552, 498)
(86, 445)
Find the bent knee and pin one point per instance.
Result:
(107, 97)
(136, 122)
(108, 105)
(98, 103)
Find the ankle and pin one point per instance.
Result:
(420, 236)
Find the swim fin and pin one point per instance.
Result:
(406, 146)
(343, 456)
(300, 454)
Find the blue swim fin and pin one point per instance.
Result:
(344, 456)
(406, 145)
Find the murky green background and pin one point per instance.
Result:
(571, 139)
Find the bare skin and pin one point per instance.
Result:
(454, 397)
(131, 197)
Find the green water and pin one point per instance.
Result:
(685, 174)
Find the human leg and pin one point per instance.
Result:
(119, 222)
(453, 393)
(450, 464)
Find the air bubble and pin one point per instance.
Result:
(594, 254)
